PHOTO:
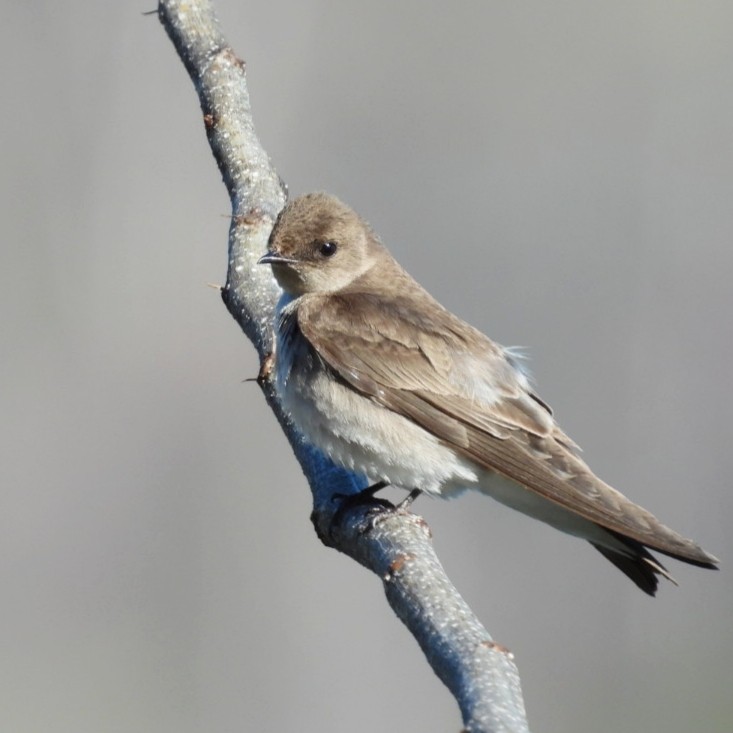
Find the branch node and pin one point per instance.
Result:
(495, 646)
(232, 57)
(396, 565)
(266, 367)
(253, 217)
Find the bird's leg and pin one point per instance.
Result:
(374, 488)
(362, 496)
(407, 501)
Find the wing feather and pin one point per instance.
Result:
(426, 364)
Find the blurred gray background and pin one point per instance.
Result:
(559, 174)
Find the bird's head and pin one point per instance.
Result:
(319, 245)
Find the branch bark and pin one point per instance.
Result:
(394, 544)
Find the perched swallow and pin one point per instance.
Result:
(383, 379)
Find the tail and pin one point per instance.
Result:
(643, 568)
(630, 554)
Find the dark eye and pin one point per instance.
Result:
(327, 249)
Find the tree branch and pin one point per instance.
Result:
(394, 544)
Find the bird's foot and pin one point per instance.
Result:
(362, 497)
(365, 496)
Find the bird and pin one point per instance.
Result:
(376, 374)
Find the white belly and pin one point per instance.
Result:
(362, 436)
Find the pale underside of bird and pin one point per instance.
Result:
(380, 377)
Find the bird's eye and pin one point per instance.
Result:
(327, 249)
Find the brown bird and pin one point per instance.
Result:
(383, 379)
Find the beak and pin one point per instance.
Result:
(273, 258)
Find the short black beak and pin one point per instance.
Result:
(273, 258)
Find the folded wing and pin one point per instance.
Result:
(454, 382)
